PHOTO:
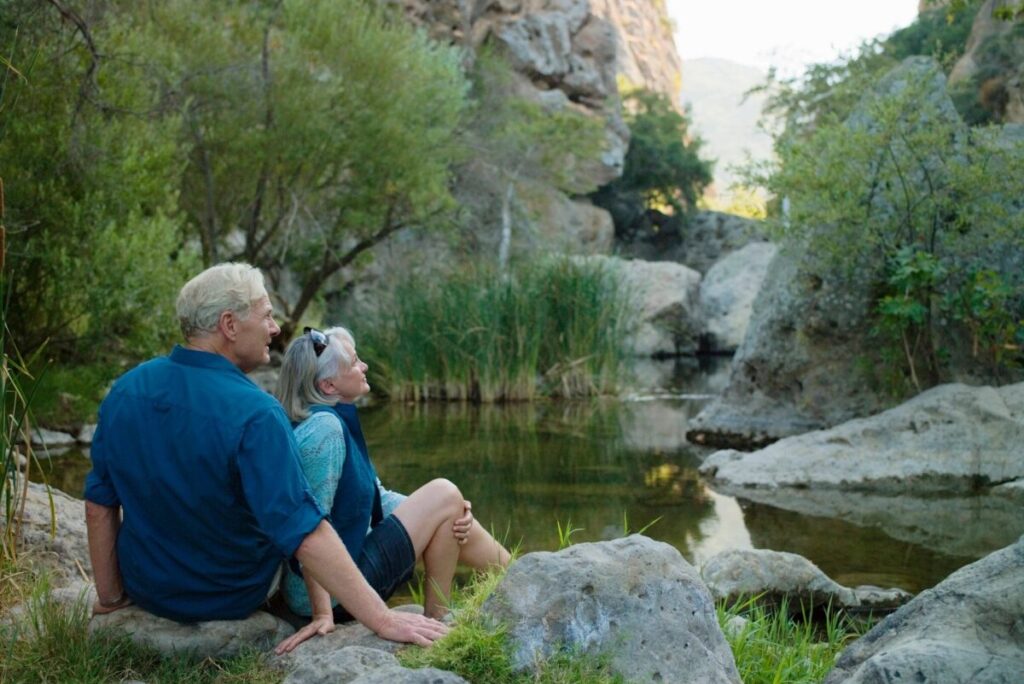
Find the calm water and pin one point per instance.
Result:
(604, 466)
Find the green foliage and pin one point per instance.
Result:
(663, 169)
(482, 336)
(907, 199)
(565, 533)
(94, 237)
(480, 652)
(773, 647)
(144, 138)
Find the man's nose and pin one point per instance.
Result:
(274, 328)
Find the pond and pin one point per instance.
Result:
(604, 466)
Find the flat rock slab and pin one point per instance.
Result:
(65, 553)
(51, 439)
(212, 639)
(967, 629)
(352, 664)
(950, 438)
(633, 600)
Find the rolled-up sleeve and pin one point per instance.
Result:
(273, 483)
(98, 487)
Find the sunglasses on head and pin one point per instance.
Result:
(318, 339)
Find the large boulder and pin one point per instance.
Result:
(707, 238)
(804, 363)
(211, 639)
(63, 551)
(950, 438)
(664, 297)
(1000, 90)
(968, 628)
(774, 576)
(727, 294)
(633, 600)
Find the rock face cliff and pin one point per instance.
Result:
(646, 55)
(993, 64)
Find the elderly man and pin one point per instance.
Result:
(204, 466)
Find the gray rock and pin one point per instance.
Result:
(66, 553)
(401, 675)
(745, 573)
(212, 639)
(51, 439)
(338, 666)
(665, 299)
(343, 636)
(968, 628)
(950, 438)
(86, 434)
(708, 237)
(727, 294)
(634, 600)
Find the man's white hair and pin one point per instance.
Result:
(224, 287)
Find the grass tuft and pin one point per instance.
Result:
(773, 646)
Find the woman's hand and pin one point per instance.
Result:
(464, 524)
(318, 624)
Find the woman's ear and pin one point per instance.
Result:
(326, 387)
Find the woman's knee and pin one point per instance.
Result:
(447, 494)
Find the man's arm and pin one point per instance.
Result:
(102, 524)
(323, 555)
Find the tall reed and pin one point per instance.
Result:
(549, 328)
(16, 391)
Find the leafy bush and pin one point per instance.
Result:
(663, 169)
(907, 198)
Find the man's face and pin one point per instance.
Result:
(252, 342)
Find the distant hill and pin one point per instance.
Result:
(713, 89)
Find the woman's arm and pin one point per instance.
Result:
(322, 621)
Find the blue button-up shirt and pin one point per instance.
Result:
(206, 470)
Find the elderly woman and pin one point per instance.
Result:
(385, 532)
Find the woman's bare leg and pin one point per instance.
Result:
(428, 515)
(482, 551)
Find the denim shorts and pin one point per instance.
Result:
(387, 560)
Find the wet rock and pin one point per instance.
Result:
(740, 574)
(950, 438)
(727, 294)
(633, 599)
(968, 628)
(212, 639)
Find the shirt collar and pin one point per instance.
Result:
(203, 359)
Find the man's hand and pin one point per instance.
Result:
(318, 625)
(410, 628)
(463, 525)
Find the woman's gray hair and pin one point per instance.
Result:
(302, 370)
(224, 287)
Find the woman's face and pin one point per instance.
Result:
(348, 385)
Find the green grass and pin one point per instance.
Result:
(550, 328)
(480, 653)
(774, 647)
(69, 396)
(51, 643)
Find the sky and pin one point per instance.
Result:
(785, 33)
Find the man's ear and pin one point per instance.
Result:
(228, 325)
